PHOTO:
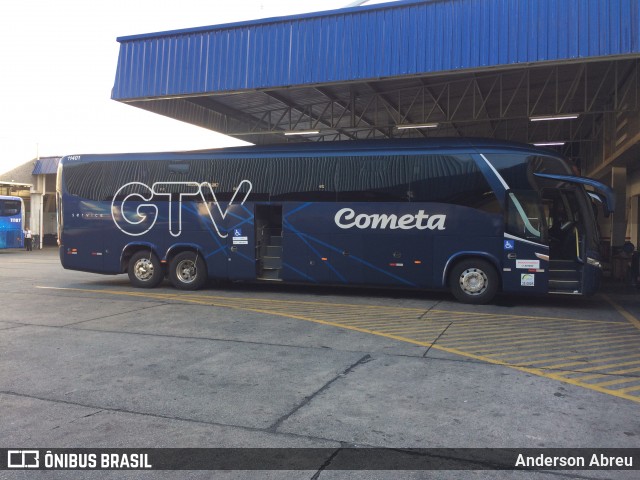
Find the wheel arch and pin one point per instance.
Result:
(456, 258)
(177, 248)
(130, 249)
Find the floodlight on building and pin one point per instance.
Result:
(408, 126)
(547, 118)
(301, 132)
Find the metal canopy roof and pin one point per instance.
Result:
(469, 67)
(46, 166)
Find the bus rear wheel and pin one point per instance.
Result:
(187, 271)
(145, 270)
(473, 281)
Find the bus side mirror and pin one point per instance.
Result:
(599, 200)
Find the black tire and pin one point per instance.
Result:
(145, 270)
(188, 271)
(474, 281)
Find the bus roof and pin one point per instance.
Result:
(477, 145)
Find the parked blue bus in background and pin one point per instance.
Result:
(476, 217)
(11, 222)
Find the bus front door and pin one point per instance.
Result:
(567, 239)
(268, 243)
(525, 253)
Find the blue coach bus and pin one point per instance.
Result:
(11, 222)
(473, 216)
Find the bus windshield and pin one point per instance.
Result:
(9, 208)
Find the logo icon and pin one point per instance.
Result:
(509, 245)
(527, 280)
(237, 232)
(23, 459)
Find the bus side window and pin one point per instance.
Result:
(372, 179)
(303, 179)
(85, 180)
(114, 175)
(524, 215)
(454, 179)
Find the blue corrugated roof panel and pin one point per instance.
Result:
(46, 166)
(384, 40)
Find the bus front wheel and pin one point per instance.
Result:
(145, 270)
(473, 281)
(187, 271)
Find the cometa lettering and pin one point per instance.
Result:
(347, 218)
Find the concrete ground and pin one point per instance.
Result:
(88, 361)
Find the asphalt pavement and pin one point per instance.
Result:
(90, 362)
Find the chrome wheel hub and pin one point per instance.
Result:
(186, 271)
(143, 269)
(473, 281)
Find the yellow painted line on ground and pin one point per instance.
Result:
(630, 318)
(377, 321)
(333, 324)
(588, 351)
(552, 345)
(564, 365)
(265, 306)
(508, 332)
(257, 310)
(242, 300)
(516, 318)
(467, 333)
(629, 389)
(601, 375)
(302, 302)
(525, 332)
(542, 345)
(602, 367)
(541, 373)
(516, 340)
(563, 345)
(407, 331)
(617, 382)
(588, 361)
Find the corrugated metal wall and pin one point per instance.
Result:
(402, 38)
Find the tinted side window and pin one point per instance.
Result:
(117, 174)
(303, 179)
(84, 180)
(102, 180)
(372, 179)
(232, 171)
(450, 179)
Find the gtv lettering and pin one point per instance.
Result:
(147, 211)
(346, 218)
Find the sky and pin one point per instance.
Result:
(58, 63)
